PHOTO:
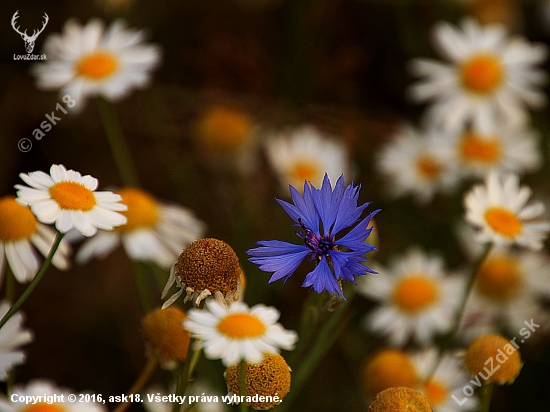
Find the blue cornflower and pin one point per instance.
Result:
(321, 214)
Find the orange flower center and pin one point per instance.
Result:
(499, 278)
(97, 65)
(74, 196)
(428, 167)
(16, 221)
(142, 209)
(503, 222)
(241, 326)
(480, 148)
(436, 393)
(482, 74)
(224, 128)
(44, 407)
(415, 293)
(305, 170)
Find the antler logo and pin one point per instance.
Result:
(29, 40)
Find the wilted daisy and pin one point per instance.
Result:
(417, 299)
(400, 399)
(155, 231)
(505, 149)
(448, 380)
(19, 232)
(35, 388)
(499, 210)
(12, 336)
(69, 200)
(306, 154)
(488, 80)
(91, 60)
(238, 332)
(321, 214)
(418, 163)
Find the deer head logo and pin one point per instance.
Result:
(29, 40)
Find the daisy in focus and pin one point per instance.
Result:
(44, 388)
(417, 300)
(12, 336)
(91, 60)
(238, 332)
(499, 210)
(506, 149)
(447, 381)
(70, 200)
(419, 163)
(19, 232)
(155, 231)
(305, 154)
(489, 78)
(321, 214)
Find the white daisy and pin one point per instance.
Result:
(417, 300)
(506, 149)
(306, 153)
(12, 336)
(89, 60)
(418, 163)
(19, 232)
(488, 80)
(155, 231)
(238, 332)
(500, 211)
(35, 388)
(68, 199)
(446, 383)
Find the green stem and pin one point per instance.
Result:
(32, 285)
(183, 373)
(243, 407)
(486, 392)
(119, 147)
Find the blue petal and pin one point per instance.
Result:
(327, 202)
(348, 212)
(322, 278)
(302, 209)
(282, 258)
(355, 239)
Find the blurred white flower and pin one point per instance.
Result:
(12, 336)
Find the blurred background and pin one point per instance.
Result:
(337, 64)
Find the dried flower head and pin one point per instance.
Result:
(206, 267)
(400, 400)
(163, 331)
(271, 378)
(388, 369)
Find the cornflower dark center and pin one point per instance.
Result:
(320, 246)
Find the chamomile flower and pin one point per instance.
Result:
(69, 200)
(448, 380)
(12, 336)
(155, 231)
(91, 60)
(499, 210)
(19, 232)
(418, 163)
(488, 80)
(306, 154)
(417, 299)
(506, 149)
(322, 214)
(238, 332)
(45, 389)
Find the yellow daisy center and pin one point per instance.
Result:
(142, 209)
(44, 407)
(480, 148)
(482, 74)
(224, 128)
(74, 196)
(415, 293)
(241, 326)
(436, 392)
(16, 221)
(499, 278)
(97, 65)
(503, 222)
(428, 167)
(389, 368)
(305, 170)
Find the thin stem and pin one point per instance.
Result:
(119, 147)
(32, 285)
(183, 373)
(140, 382)
(243, 407)
(486, 392)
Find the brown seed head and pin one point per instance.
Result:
(400, 400)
